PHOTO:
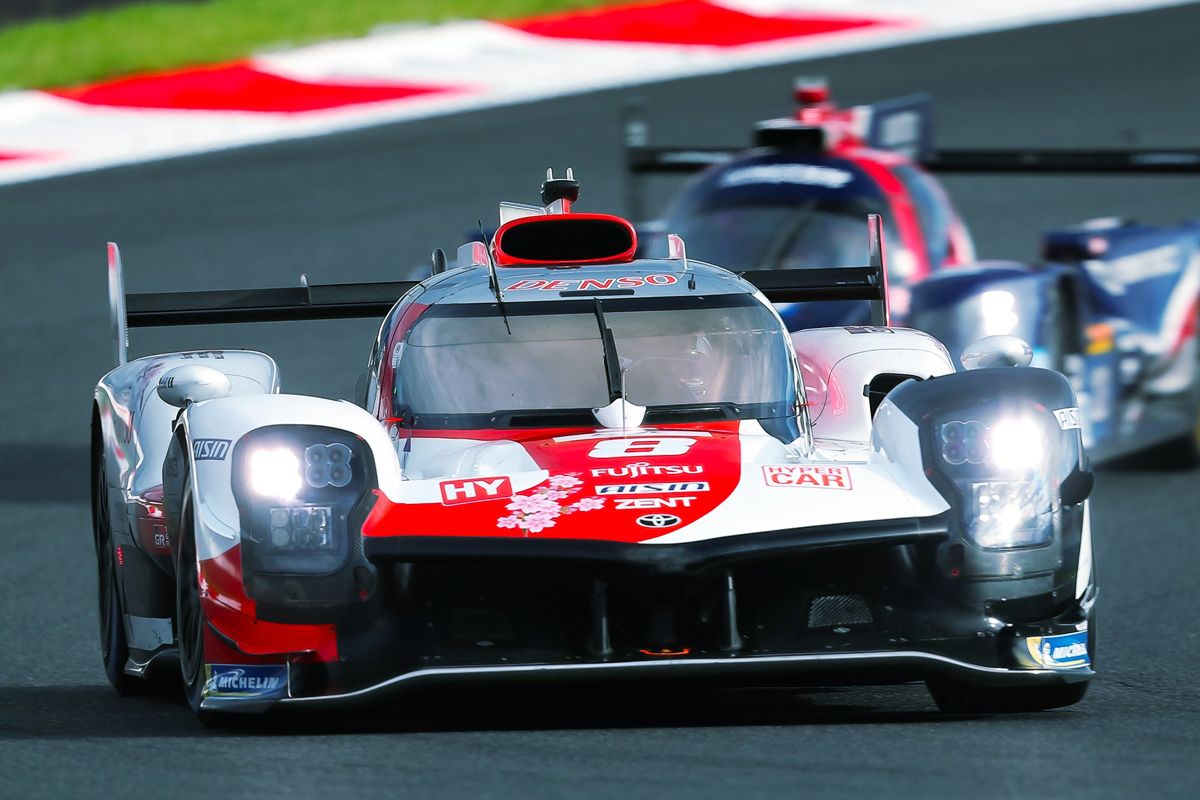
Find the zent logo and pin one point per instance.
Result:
(658, 520)
(472, 490)
(802, 475)
(648, 503)
(619, 448)
(210, 449)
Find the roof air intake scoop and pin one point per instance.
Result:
(565, 240)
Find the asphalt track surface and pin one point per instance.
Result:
(370, 205)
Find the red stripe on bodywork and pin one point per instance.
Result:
(231, 612)
(1188, 331)
(11, 156)
(904, 214)
(571, 505)
(688, 22)
(237, 87)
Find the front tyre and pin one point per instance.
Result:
(955, 696)
(192, 626)
(114, 648)
(189, 614)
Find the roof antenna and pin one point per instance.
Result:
(564, 191)
(493, 281)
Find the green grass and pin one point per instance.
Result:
(156, 36)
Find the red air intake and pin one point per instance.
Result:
(566, 239)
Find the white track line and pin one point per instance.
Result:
(494, 65)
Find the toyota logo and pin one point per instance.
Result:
(658, 520)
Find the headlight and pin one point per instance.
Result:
(998, 469)
(273, 472)
(298, 488)
(1007, 514)
(1011, 445)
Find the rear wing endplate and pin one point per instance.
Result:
(374, 300)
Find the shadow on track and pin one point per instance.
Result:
(79, 712)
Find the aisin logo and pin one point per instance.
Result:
(658, 520)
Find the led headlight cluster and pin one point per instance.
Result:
(1010, 445)
(963, 442)
(297, 488)
(1006, 514)
(275, 471)
(327, 465)
(999, 470)
(302, 527)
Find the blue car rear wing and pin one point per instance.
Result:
(902, 125)
(366, 300)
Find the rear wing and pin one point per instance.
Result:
(902, 125)
(367, 300)
(303, 302)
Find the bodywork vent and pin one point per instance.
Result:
(839, 609)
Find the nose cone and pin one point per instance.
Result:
(593, 485)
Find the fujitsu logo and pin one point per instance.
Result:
(643, 468)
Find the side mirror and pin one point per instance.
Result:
(439, 261)
(192, 384)
(360, 389)
(1077, 486)
(997, 351)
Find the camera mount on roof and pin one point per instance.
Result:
(556, 189)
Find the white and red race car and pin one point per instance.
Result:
(568, 461)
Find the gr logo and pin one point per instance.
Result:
(210, 449)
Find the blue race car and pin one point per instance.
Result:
(1114, 307)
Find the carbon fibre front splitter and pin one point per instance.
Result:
(810, 669)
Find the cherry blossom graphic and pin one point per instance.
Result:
(538, 510)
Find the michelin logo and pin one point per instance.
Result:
(1064, 650)
(248, 680)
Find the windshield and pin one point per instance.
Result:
(812, 233)
(715, 357)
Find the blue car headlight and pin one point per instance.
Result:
(298, 489)
(998, 468)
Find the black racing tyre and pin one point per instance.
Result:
(191, 627)
(189, 615)
(114, 649)
(955, 696)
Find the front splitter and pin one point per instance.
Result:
(880, 667)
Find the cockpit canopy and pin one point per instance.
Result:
(686, 357)
(558, 318)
